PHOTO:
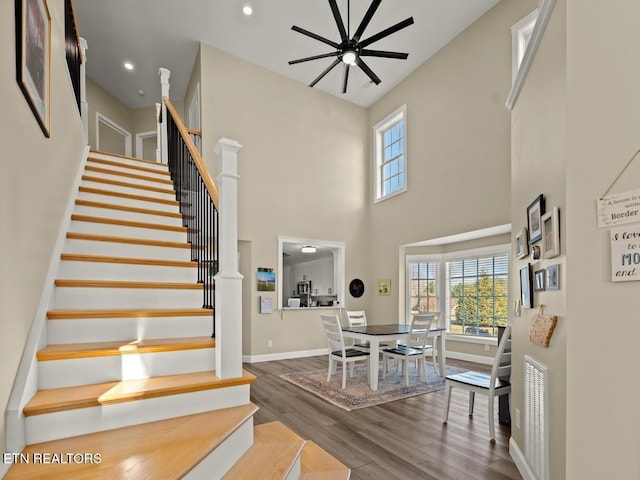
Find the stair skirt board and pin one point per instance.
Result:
(116, 329)
(70, 423)
(130, 366)
(136, 273)
(88, 297)
(129, 188)
(125, 247)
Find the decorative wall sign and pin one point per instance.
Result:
(625, 253)
(619, 209)
(384, 286)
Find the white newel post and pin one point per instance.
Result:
(228, 295)
(164, 85)
(158, 133)
(84, 106)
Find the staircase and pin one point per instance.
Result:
(126, 383)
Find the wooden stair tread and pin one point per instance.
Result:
(274, 451)
(135, 176)
(127, 223)
(130, 196)
(163, 449)
(85, 396)
(66, 351)
(124, 208)
(119, 183)
(126, 157)
(62, 282)
(126, 313)
(79, 257)
(133, 241)
(139, 168)
(318, 464)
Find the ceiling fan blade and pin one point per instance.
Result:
(345, 78)
(338, 19)
(386, 32)
(315, 57)
(314, 36)
(328, 69)
(384, 54)
(365, 68)
(366, 19)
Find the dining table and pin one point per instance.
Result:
(392, 332)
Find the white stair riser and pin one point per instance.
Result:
(129, 202)
(130, 366)
(159, 174)
(116, 249)
(127, 231)
(219, 461)
(161, 167)
(42, 428)
(122, 271)
(112, 329)
(123, 189)
(129, 216)
(123, 178)
(96, 297)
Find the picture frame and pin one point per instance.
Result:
(33, 57)
(535, 210)
(551, 233)
(522, 243)
(539, 284)
(266, 279)
(384, 286)
(526, 293)
(553, 277)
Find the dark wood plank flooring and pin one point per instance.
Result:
(404, 440)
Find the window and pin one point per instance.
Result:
(390, 155)
(473, 284)
(520, 36)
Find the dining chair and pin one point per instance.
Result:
(415, 347)
(358, 318)
(337, 350)
(492, 385)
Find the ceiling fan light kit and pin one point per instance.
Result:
(350, 49)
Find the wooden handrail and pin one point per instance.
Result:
(194, 132)
(197, 159)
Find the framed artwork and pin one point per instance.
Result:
(384, 286)
(522, 247)
(356, 288)
(535, 210)
(33, 57)
(539, 280)
(553, 277)
(266, 280)
(551, 233)
(526, 293)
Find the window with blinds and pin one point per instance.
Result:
(423, 287)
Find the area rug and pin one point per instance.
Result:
(358, 394)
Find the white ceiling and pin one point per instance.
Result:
(166, 33)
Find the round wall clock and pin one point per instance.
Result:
(356, 288)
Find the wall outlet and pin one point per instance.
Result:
(269, 343)
(517, 418)
(486, 348)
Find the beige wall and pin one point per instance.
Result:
(539, 166)
(101, 101)
(458, 138)
(35, 183)
(302, 173)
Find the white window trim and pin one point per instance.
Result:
(444, 304)
(520, 37)
(399, 113)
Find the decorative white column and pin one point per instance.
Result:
(228, 307)
(164, 86)
(84, 106)
(158, 133)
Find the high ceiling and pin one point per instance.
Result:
(166, 33)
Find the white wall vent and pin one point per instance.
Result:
(536, 417)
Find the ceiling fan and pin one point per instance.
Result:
(350, 50)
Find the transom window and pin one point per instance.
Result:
(390, 155)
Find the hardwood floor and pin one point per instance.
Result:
(404, 440)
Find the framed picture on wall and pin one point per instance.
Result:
(522, 247)
(539, 280)
(535, 210)
(553, 277)
(526, 293)
(551, 233)
(33, 57)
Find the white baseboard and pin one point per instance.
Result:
(521, 463)
(283, 355)
(469, 357)
(4, 468)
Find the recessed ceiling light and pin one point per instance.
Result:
(308, 249)
(247, 10)
(128, 65)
